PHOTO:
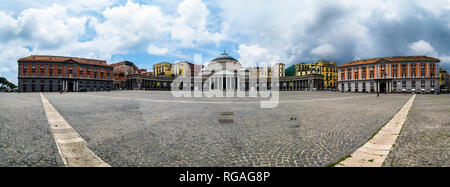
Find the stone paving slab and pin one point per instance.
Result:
(374, 152)
(25, 137)
(425, 137)
(71, 146)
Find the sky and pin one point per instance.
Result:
(253, 31)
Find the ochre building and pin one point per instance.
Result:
(162, 69)
(390, 74)
(328, 69)
(56, 73)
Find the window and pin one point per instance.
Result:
(413, 83)
(403, 84)
(364, 73)
(432, 83)
(423, 73)
(422, 83)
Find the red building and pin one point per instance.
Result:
(121, 71)
(390, 74)
(57, 73)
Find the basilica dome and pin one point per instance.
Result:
(224, 62)
(224, 56)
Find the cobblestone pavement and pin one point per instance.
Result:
(130, 128)
(25, 137)
(425, 138)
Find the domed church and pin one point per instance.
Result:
(223, 73)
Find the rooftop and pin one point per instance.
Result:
(42, 58)
(225, 56)
(391, 59)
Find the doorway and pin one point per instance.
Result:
(224, 85)
(70, 86)
(382, 87)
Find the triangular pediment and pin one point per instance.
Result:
(382, 60)
(71, 61)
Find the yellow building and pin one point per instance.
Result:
(162, 69)
(302, 69)
(329, 71)
(326, 68)
(442, 76)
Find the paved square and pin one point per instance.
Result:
(146, 128)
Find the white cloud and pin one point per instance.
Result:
(422, 48)
(152, 49)
(8, 61)
(254, 55)
(324, 50)
(90, 5)
(190, 27)
(48, 28)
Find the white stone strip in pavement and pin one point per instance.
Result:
(71, 146)
(375, 151)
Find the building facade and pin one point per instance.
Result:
(328, 69)
(181, 68)
(163, 68)
(390, 74)
(227, 73)
(279, 69)
(121, 70)
(55, 73)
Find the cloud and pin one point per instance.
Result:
(190, 27)
(296, 30)
(422, 48)
(324, 50)
(152, 49)
(254, 55)
(8, 61)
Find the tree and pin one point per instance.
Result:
(5, 83)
